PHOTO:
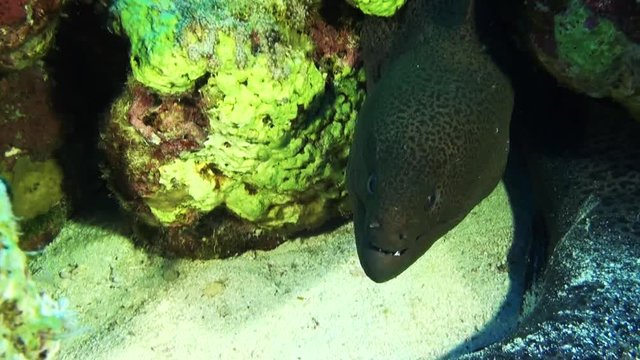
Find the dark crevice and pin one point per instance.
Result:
(88, 65)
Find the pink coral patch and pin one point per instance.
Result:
(12, 12)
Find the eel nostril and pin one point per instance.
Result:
(402, 236)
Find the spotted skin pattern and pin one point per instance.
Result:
(585, 167)
(602, 166)
(431, 140)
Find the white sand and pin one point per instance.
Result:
(307, 299)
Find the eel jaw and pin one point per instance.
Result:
(382, 264)
(388, 252)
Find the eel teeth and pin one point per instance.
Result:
(387, 252)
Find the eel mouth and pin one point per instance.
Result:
(386, 252)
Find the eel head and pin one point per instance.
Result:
(398, 212)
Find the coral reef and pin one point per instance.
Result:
(30, 132)
(590, 46)
(27, 28)
(31, 321)
(258, 122)
(625, 14)
(378, 7)
(173, 44)
(159, 59)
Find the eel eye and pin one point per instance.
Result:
(371, 183)
(430, 201)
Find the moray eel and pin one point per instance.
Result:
(583, 157)
(431, 139)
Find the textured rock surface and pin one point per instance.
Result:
(27, 28)
(30, 135)
(591, 46)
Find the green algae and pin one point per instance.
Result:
(590, 50)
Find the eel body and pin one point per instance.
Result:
(586, 303)
(432, 138)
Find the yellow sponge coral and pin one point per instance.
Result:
(264, 134)
(378, 7)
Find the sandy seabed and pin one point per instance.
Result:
(307, 299)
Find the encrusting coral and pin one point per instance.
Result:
(30, 321)
(378, 7)
(243, 106)
(30, 133)
(591, 46)
(27, 29)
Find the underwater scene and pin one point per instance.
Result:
(319, 179)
